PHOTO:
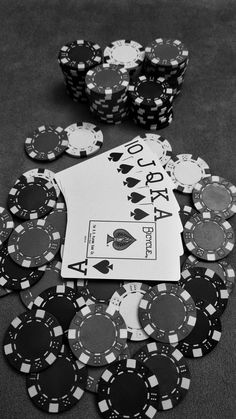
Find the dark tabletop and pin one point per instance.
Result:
(32, 94)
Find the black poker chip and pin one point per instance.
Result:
(32, 197)
(60, 387)
(33, 341)
(205, 284)
(46, 143)
(128, 389)
(16, 277)
(6, 225)
(171, 370)
(95, 291)
(205, 335)
(63, 302)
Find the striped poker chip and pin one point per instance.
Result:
(127, 53)
(167, 52)
(97, 335)
(186, 171)
(167, 313)
(215, 194)
(46, 143)
(159, 145)
(107, 79)
(85, 139)
(33, 341)
(45, 174)
(126, 301)
(208, 236)
(150, 91)
(79, 55)
(6, 225)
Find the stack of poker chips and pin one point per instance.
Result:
(106, 88)
(128, 54)
(151, 101)
(75, 59)
(167, 58)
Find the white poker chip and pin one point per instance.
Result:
(84, 138)
(185, 171)
(126, 301)
(159, 146)
(129, 54)
(45, 174)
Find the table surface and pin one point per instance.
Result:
(32, 94)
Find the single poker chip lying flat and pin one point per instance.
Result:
(167, 52)
(128, 389)
(205, 335)
(6, 225)
(127, 53)
(205, 284)
(167, 313)
(216, 194)
(46, 143)
(32, 197)
(15, 277)
(80, 55)
(221, 267)
(60, 387)
(85, 139)
(97, 291)
(47, 174)
(97, 335)
(63, 302)
(94, 373)
(208, 236)
(171, 370)
(33, 243)
(186, 171)
(159, 145)
(33, 341)
(126, 301)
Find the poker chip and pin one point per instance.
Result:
(85, 139)
(46, 143)
(31, 197)
(225, 271)
(45, 174)
(58, 218)
(208, 236)
(33, 341)
(107, 79)
(167, 313)
(94, 374)
(205, 335)
(185, 213)
(205, 284)
(159, 146)
(150, 91)
(215, 194)
(97, 335)
(160, 124)
(63, 302)
(126, 301)
(185, 171)
(15, 277)
(6, 225)
(95, 291)
(167, 52)
(80, 55)
(171, 370)
(33, 243)
(128, 389)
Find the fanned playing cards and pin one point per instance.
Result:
(123, 219)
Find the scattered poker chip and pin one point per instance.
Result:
(216, 194)
(221, 267)
(205, 335)
(208, 236)
(97, 335)
(185, 171)
(85, 139)
(58, 218)
(205, 284)
(107, 79)
(31, 197)
(167, 52)
(126, 301)
(129, 54)
(15, 277)
(171, 370)
(185, 213)
(150, 91)
(94, 374)
(33, 243)
(159, 146)
(33, 341)
(60, 387)
(167, 313)
(45, 174)
(80, 55)
(95, 291)
(63, 302)
(46, 143)
(6, 225)
(128, 389)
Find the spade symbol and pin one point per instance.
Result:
(115, 156)
(138, 214)
(103, 266)
(124, 168)
(131, 182)
(135, 197)
(121, 239)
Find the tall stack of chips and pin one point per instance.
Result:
(75, 59)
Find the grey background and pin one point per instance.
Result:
(32, 93)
